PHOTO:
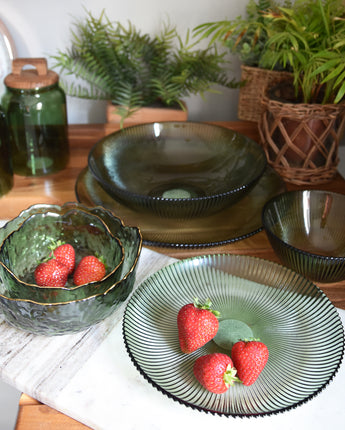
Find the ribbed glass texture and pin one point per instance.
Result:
(294, 318)
(307, 231)
(177, 169)
(241, 220)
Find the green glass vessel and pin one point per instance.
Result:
(35, 107)
(6, 170)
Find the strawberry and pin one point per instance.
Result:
(215, 372)
(89, 269)
(65, 254)
(51, 273)
(249, 357)
(197, 324)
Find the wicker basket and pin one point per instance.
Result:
(301, 141)
(255, 81)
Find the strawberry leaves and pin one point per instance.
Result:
(215, 372)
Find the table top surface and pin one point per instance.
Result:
(59, 188)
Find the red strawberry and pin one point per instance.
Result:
(197, 324)
(65, 254)
(249, 357)
(215, 372)
(89, 269)
(51, 273)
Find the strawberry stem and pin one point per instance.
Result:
(101, 259)
(251, 339)
(55, 244)
(52, 246)
(206, 305)
(230, 376)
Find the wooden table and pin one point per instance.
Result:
(59, 188)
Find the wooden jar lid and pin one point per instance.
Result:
(32, 78)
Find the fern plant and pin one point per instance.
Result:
(119, 63)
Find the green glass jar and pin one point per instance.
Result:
(35, 107)
(6, 171)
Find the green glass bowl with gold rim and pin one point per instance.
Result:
(63, 317)
(28, 246)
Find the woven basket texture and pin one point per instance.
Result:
(301, 141)
(255, 81)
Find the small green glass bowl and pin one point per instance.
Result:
(307, 232)
(177, 170)
(25, 248)
(65, 317)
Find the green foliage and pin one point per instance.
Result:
(132, 69)
(245, 36)
(306, 37)
(309, 40)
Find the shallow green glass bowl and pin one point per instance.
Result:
(177, 169)
(64, 317)
(28, 246)
(307, 231)
(291, 315)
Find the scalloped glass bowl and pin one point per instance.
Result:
(177, 169)
(56, 317)
(307, 231)
(26, 247)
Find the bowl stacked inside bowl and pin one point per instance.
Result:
(177, 169)
(59, 310)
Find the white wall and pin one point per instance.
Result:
(41, 27)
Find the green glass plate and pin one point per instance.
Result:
(237, 222)
(292, 316)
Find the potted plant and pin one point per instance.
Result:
(247, 38)
(135, 70)
(304, 118)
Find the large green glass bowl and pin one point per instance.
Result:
(57, 318)
(177, 169)
(307, 231)
(292, 316)
(25, 248)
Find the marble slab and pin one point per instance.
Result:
(90, 377)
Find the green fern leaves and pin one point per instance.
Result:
(119, 63)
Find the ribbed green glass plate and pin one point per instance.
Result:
(241, 220)
(292, 316)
